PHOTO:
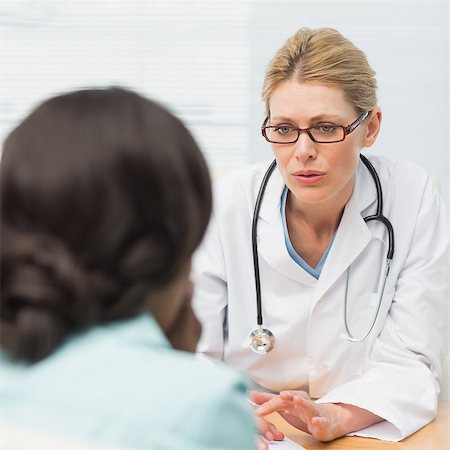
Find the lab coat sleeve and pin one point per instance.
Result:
(210, 295)
(400, 381)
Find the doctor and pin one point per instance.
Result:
(352, 311)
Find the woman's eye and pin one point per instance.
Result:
(284, 129)
(326, 128)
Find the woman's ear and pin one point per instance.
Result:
(372, 127)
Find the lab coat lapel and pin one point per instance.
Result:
(351, 239)
(352, 235)
(270, 236)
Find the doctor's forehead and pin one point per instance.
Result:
(309, 101)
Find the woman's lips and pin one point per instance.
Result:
(309, 176)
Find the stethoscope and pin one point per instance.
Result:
(262, 340)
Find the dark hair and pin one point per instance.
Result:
(104, 197)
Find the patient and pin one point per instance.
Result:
(104, 197)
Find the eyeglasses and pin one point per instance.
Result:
(324, 133)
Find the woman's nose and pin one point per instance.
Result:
(305, 148)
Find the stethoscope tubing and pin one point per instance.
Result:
(379, 212)
(254, 240)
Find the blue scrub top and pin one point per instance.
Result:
(314, 271)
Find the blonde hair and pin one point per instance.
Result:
(323, 55)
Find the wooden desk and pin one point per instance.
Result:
(434, 436)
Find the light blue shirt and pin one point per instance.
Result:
(314, 271)
(123, 385)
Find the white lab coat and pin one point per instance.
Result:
(394, 373)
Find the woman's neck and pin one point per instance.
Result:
(311, 227)
(321, 218)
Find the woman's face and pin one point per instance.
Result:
(318, 173)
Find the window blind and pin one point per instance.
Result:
(189, 55)
(205, 60)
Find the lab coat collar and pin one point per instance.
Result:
(352, 235)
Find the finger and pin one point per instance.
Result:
(267, 429)
(275, 404)
(275, 433)
(263, 426)
(308, 407)
(272, 434)
(261, 443)
(260, 397)
(290, 395)
(300, 411)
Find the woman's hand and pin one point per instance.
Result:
(324, 421)
(268, 431)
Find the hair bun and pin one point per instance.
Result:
(44, 293)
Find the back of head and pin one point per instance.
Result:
(104, 197)
(323, 56)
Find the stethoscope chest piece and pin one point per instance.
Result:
(262, 340)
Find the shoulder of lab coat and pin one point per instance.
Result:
(400, 380)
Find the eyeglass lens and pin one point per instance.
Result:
(322, 133)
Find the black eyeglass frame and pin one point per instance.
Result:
(346, 130)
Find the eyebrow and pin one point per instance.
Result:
(328, 117)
